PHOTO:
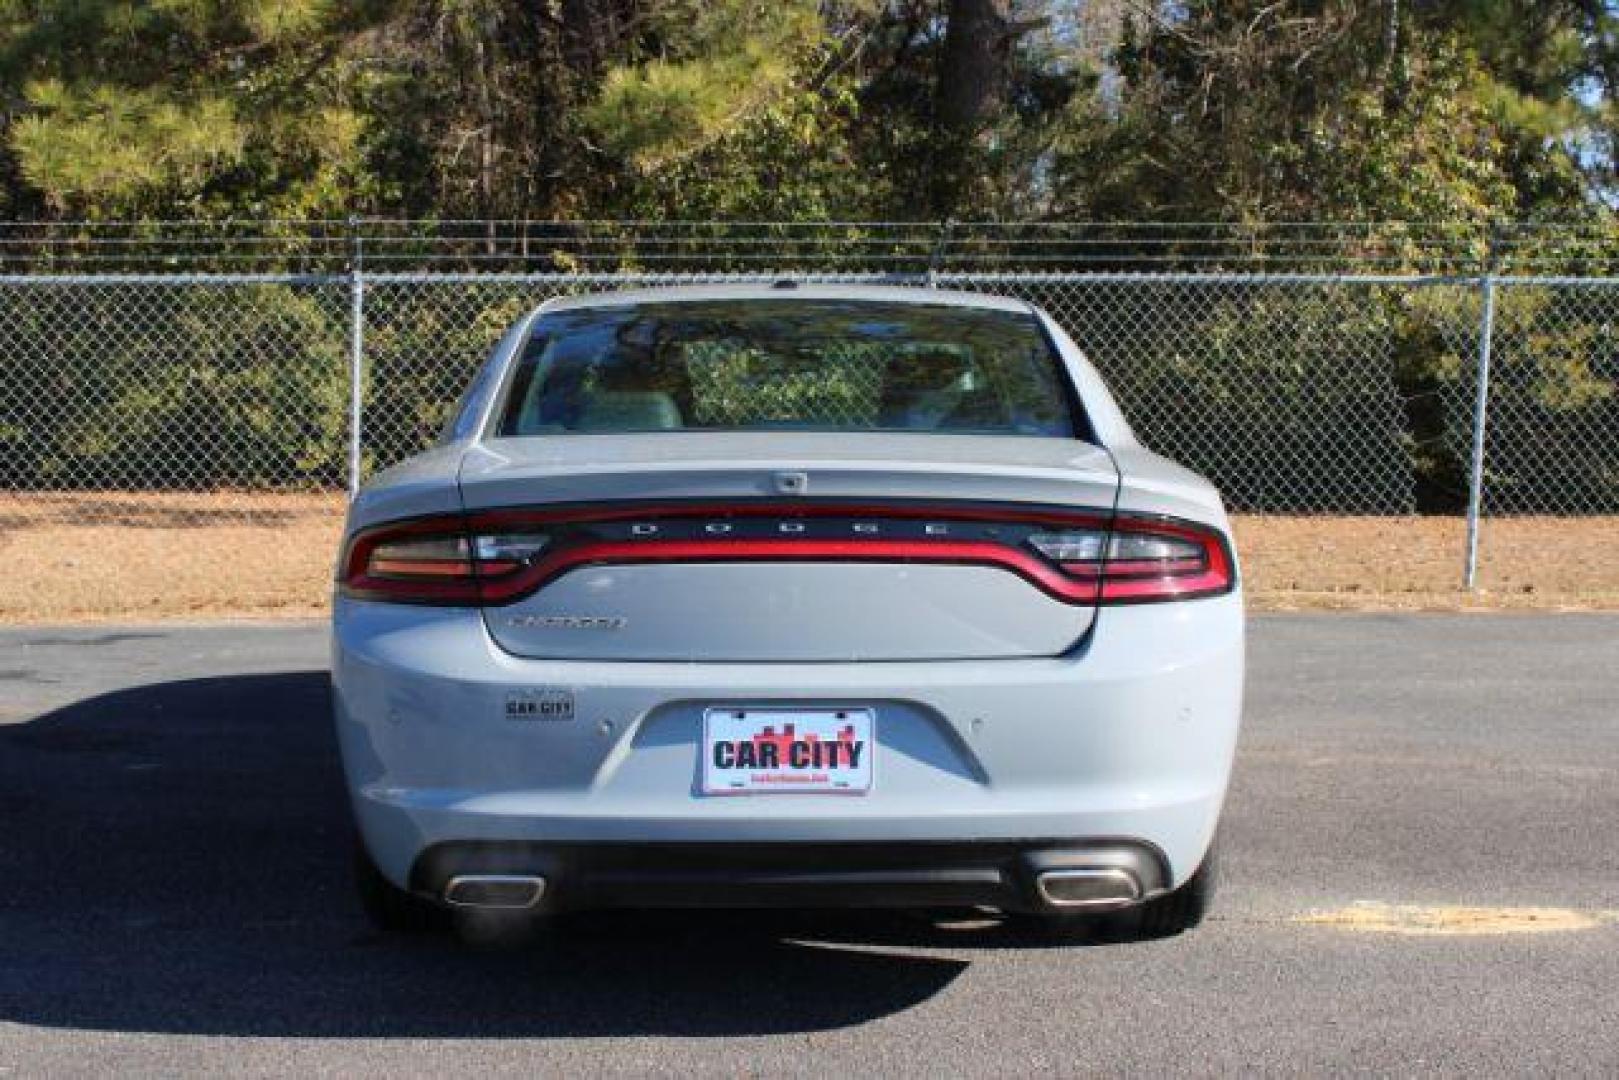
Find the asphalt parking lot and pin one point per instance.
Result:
(173, 850)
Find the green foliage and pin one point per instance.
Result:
(184, 386)
(105, 150)
(1429, 153)
(1233, 110)
(729, 60)
(787, 160)
(180, 107)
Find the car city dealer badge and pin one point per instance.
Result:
(540, 703)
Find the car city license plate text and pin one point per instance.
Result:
(754, 751)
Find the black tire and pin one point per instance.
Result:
(1175, 912)
(1164, 916)
(389, 908)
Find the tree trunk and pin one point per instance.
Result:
(587, 28)
(971, 84)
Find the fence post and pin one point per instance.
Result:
(356, 355)
(1481, 408)
(937, 255)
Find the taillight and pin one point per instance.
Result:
(492, 557)
(447, 557)
(1142, 559)
(433, 560)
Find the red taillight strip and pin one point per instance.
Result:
(1125, 581)
(1137, 583)
(423, 567)
(1214, 581)
(1135, 590)
(1134, 567)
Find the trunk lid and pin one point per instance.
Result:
(764, 605)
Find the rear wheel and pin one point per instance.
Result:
(1175, 912)
(391, 909)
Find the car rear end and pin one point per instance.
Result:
(850, 597)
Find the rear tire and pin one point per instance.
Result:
(1175, 912)
(1164, 916)
(389, 908)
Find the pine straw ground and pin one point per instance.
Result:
(139, 557)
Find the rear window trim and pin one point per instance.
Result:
(497, 403)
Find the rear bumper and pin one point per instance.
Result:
(1130, 739)
(1027, 876)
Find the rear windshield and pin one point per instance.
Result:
(821, 365)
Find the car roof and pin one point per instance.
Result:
(755, 290)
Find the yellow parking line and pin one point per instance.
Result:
(1453, 920)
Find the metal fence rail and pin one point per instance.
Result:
(1297, 393)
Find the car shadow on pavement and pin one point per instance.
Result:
(175, 859)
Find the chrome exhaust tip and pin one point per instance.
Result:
(494, 891)
(1096, 887)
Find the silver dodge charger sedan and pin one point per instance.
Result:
(794, 595)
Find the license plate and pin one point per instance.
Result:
(766, 751)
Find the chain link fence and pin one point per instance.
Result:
(123, 398)
(148, 399)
